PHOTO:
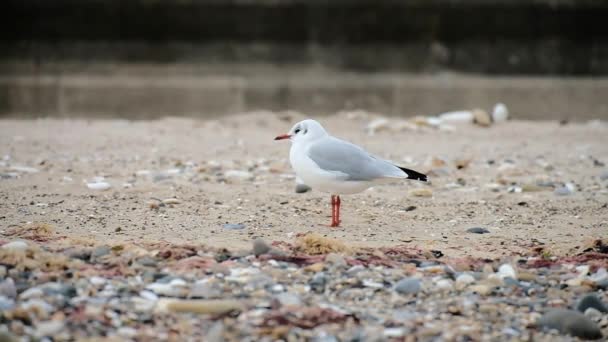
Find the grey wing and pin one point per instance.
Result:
(353, 162)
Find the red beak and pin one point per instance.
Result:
(283, 136)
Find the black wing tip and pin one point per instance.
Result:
(411, 174)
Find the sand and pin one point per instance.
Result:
(195, 161)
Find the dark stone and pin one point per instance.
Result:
(410, 208)
(302, 188)
(591, 300)
(260, 247)
(318, 282)
(82, 254)
(478, 230)
(147, 261)
(570, 322)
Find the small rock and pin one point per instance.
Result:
(205, 289)
(570, 322)
(408, 285)
(336, 259)
(463, 280)
(562, 191)
(175, 288)
(127, 332)
(481, 118)
(17, 245)
(100, 251)
(604, 175)
(99, 186)
(481, 289)
(318, 282)
(6, 304)
(591, 300)
(49, 328)
(478, 230)
(211, 307)
(500, 113)
(302, 188)
(32, 292)
(260, 247)
(286, 298)
(171, 201)
(507, 270)
(147, 261)
(593, 313)
(8, 289)
(444, 285)
(234, 226)
(237, 175)
(421, 192)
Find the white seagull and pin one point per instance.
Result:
(336, 166)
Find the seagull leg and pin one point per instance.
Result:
(335, 220)
(338, 210)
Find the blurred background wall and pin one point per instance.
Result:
(546, 59)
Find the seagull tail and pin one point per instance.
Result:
(411, 174)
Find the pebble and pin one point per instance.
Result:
(506, 270)
(99, 186)
(17, 245)
(8, 289)
(174, 288)
(408, 285)
(570, 322)
(286, 298)
(100, 251)
(32, 292)
(211, 307)
(421, 192)
(302, 188)
(49, 328)
(260, 247)
(604, 175)
(444, 285)
(336, 259)
(463, 280)
(234, 226)
(6, 303)
(205, 289)
(591, 300)
(318, 282)
(478, 230)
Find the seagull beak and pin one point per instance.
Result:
(283, 136)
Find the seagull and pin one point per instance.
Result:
(338, 167)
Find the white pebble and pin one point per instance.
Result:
(49, 328)
(464, 279)
(15, 245)
(506, 270)
(500, 113)
(100, 186)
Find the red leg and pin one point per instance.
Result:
(338, 210)
(333, 210)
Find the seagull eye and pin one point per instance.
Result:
(297, 131)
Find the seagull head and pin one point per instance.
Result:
(306, 130)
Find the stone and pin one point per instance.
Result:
(302, 188)
(17, 245)
(211, 307)
(336, 259)
(32, 292)
(463, 280)
(604, 175)
(233, 226)
(260, 247)
(100, 251)
(174, 288)
(570, 322)
(205, 289)
(481, 117)
(562, 191)
(6, 303)
(591, 300)
(286, 298)
(421, 192)
(318, 282)
(49, 328)
(444, 285)
(478, 230)
(408, 285)
(506, 270)
(8, 289)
